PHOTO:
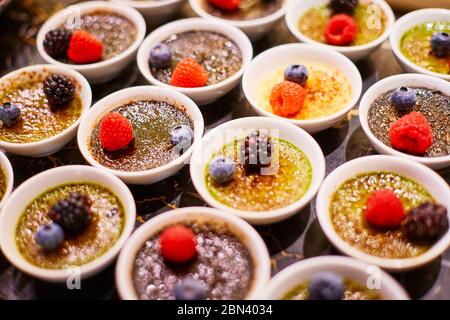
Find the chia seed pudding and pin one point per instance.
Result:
(370, 19)
(288, 181)
(347, 214)
(433, 104)
(152, 122)
(248, 9)
(220, 56)
(115, 31)
(416, 46)
(101, 234)
(353, 291)
(223, 264)
(38, 120)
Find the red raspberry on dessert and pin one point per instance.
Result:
(384, 210)
(411, 133)
(228, 5)
(178, 244)
(115, 132)
(84, 47)
(341, 30)
(189, 74)
(287, 98)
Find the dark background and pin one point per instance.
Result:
(292, 240)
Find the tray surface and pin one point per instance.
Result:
(295, 239)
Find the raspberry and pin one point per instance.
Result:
(384, 209)
(84, 47)
(189, 74)
(116, 132)
(178, 244)
(287, 98)
(341, 30)
(411, 133)
(228, 5)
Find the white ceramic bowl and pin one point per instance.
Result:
(298, 8)
(115, 100)
(215, 139)
(201, 95)
(358, 271)
(253, 28)
(38, 184)
(245, 232)
(269, 61)
(53, 144)
(394, 82)
(426, 177)
(99, 71)
(406, 23)
(154, 11)
(5, 167)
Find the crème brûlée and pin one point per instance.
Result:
(328, 91)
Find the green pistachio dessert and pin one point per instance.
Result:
(70, 225)
(358, 24)
(38, 106)
(258, 173)
(387, 215)
(417, 46)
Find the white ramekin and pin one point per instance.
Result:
(6, 168)
(53, 144)
(38, 184)
(202, 95)
(426, 177)
(253, 28)
(298, 8)
(245, 233)
(99, 71)
(394, 82)
(406, 23)
(269, 61)
(115, 100)
(155, 12)
(215, 139)
(302, 271)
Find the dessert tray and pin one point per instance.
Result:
(300, 237)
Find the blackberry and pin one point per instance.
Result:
(72, 213)
(343, 6)
(59, 90)
(256, 151)
(56, 42)
(426, 222)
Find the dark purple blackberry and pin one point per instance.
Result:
(59, 90)
(343, 6)
(73, 213)
(426, 222)
(256, 151)
(56, 42)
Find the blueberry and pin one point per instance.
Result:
(326, 286)
(49, 236)
(9, 114)
(296, 73)
(221, 169)
(404, 99)
(190, 289)
(440, 44)
(161, 56)
(181, 138)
